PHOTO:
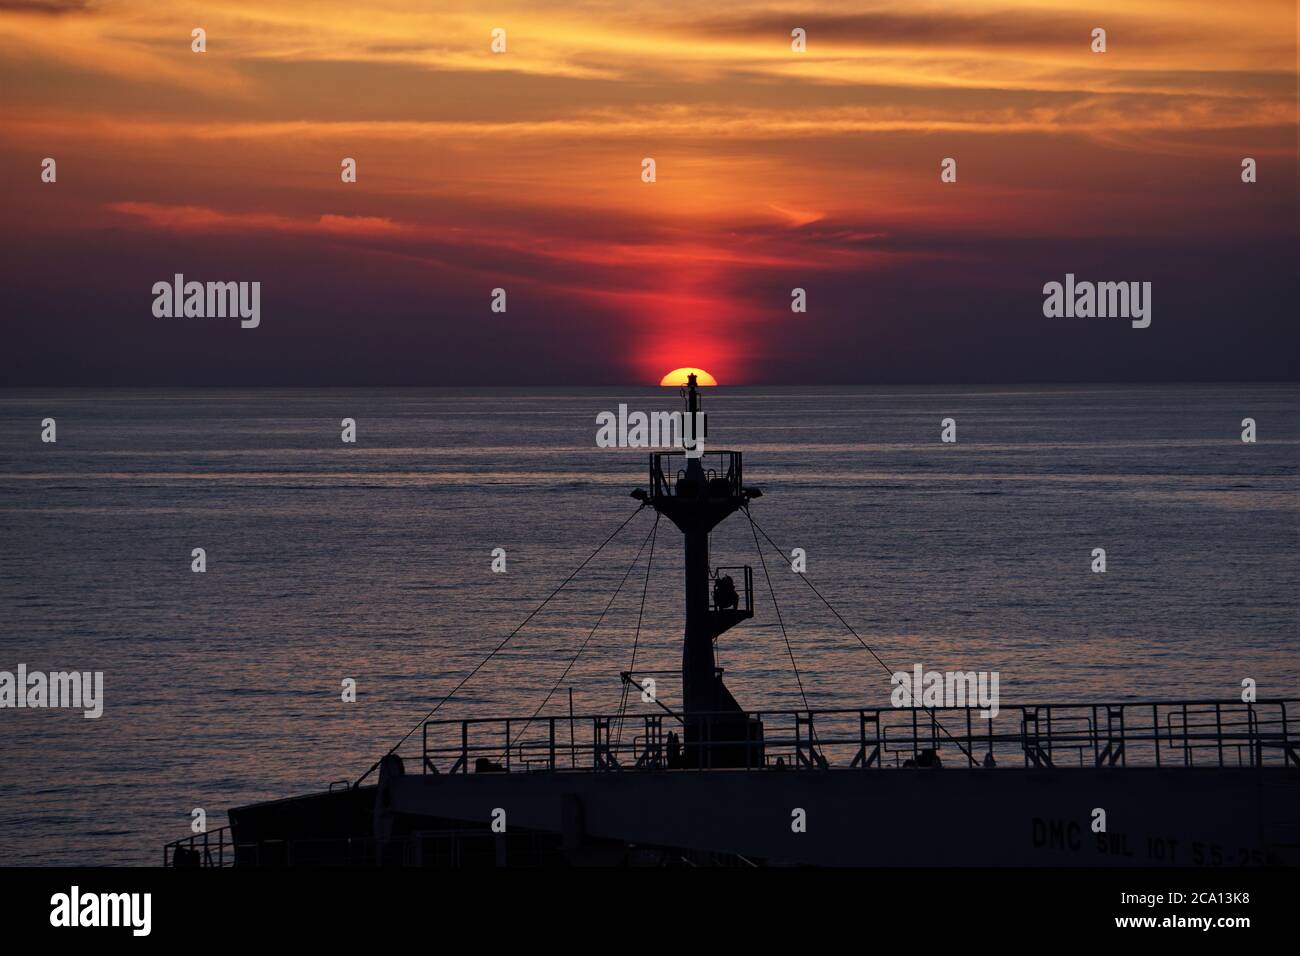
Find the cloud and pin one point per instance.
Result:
(203, 219)
(775, 169)
(47, 7)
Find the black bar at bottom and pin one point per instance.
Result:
(986, 906)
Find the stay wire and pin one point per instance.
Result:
(496, 650)
(622, 705)
(590, 634)
(934, 717)
(779, 620)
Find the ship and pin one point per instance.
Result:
(697, 779)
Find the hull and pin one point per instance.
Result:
(944, 817)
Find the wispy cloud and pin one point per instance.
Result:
(774, 168)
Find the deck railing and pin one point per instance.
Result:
(212, 848)
(1109, 735)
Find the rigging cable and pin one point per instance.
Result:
(933, 717)
(493, 653)
(636, 640)
(772, 591)
(590, 634)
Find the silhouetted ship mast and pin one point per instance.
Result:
(708, 782)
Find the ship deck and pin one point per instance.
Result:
(1187, 782)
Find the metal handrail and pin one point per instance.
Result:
(716, 464)
(744, 587)
(210, 847)
(1112, 735)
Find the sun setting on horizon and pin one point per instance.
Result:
(679, 376)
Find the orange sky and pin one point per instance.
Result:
(522, 169)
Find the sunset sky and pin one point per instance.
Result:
(522, 170)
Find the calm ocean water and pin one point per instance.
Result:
(328, 561)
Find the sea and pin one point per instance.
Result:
(396, 563)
